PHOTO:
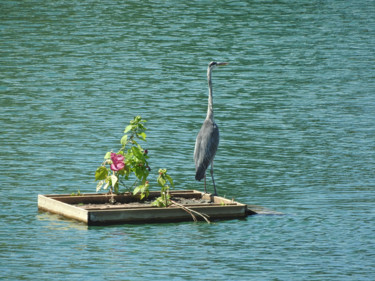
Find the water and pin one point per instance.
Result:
(295, 108)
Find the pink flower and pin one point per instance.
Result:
(117, 162)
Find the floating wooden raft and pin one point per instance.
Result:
(104, 209)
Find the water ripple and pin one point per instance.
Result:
(294, 107)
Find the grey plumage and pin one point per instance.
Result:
(205, 147)
(208, 137)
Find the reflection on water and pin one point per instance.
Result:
(57, 222)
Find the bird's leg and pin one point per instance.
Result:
(212, 176)
(205, 191)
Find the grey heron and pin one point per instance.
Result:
(208, 137)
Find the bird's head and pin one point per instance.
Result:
(212, 65)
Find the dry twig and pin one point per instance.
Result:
(191, 212)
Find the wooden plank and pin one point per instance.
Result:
(49, 204)
(66, 205)
(113, 207)
(99, 198)
(103, 217)
(218, 199)
(136, 216)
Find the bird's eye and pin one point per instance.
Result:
(213, 63)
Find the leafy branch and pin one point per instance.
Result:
(128, 167)
(165, 199)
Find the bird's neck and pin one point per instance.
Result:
(210, 109)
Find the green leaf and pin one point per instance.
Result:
(101, 173)
(169, 178)
(108, 155)
(124, 140)
(161, 181)
(128, 128)
(113, 180)
(134, 142)
(121, 172)
(116, 188)
(106, 185)
(137, 152)
(137, 189)
(142, 135)
(158, 202)
(138, 171)
(99, 185)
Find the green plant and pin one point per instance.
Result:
(76, 194)
(165, 199)
(128, 167)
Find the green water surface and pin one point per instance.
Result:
(295, 108)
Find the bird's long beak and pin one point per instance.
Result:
(222, 63)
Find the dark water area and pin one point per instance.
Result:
(295, 108)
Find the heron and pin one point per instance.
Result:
(208, 137)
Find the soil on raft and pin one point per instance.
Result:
(146, 203)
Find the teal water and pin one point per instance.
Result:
(295, 108)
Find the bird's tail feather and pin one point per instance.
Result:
(200, 174)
